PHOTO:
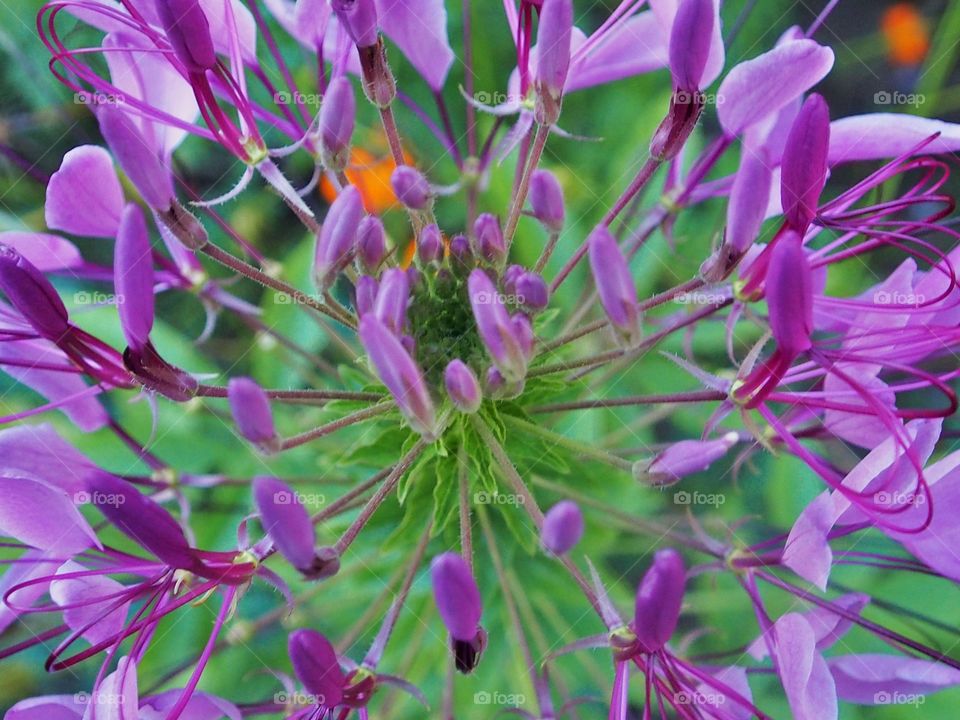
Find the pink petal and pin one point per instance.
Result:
(84, 196)
(875, 679)
(47, 252)
(48, 707)
(807, 551)
(419, 28)
(806, 678)
(86, 590)
(886, 135)
(42, 516)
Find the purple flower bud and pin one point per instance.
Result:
(804, 170)
(400, 374)
(457, 595)
(490, 244)
(410, 187)
(251, 411)
(562, 527)
(789, 290)
(462, 386)
(337, 115)
(137, 157)
(430, 245)
(188, 31)
(336, 239)
(460, 253)
(553, 57)
(532, 291)
(658, 600)
(690, 43)
(286, 522)
(523, 331)
(684, 458)
(316, 665)
(618, 295)
(510, 277)
(133, 277)
(359, 17)
(494, 381)
(371, 243)
(496, 327)
(366, 294)
(393, 296)
(546, 200)
(29, 291)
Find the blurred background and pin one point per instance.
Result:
(891, 57)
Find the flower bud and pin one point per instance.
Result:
(659, 598)
(251, 412)
(532, 291)
(29, 291)
(393, 297)
(457, 595)
(562, 527)
(188, 31)
(410, 187)
(690, 40)
(286, 522)
(316, 665)
(546, 200)
(133, 277)
(506, 347)
(618, 295)
(684, 458)
(553, 59)
(789, 291)
(490, 243)
(510, 277)
(804, 169)
(337, 114)
(430, 245)
(371, 243)
(462, 386)
(359, 17)
(337, 236)
(366, 294)
(398, 371)
(461, 256)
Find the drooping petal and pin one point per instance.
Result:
(84, 196)
(48, 707)
(138, 157)
(117, 696)
(875, 679)
(807, 551)
(316, 666)
(133, 277)
(877, 136)
(43, 516)
(40, 452)
(690, 40)
(759, 87)
(419, 28)
(286, 521)
(745, 214)
(46, 252)
(87, 599)
(806, 678)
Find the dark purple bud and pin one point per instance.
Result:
(316, 666)
(618, 295)
(337, 237)
(390, 307)
(457, 595)
(359, 17)
(546, 200)
(684, 458)
(286, 522)
(143, 520)
(496, 327)
(133, 277)
(188, 31)
(410, 187)
(337, 115)
(532, 291)
(371, 243)
(804, 170)
(29, 291)
(466, 653)
(462, 386)
(399, 372)
(137, 157)
(430, 245)
(659, 598)
(562, 527)
(251, 411)
(690, 43)
(553, 57)
(155, 373)
(366, 294)
(789, 291)
(490, 244)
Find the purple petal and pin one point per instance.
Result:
(745, 215)
(31, 565)
(188, 30)
(631, 47)
(84, 196)
(562, 527)
(316, 666)
(875, 679)
(462, 386)
(251, 411)
(806, 679)
(285, 520)
(139, 158)
(419, 28)
(39, 452)
(49, 707)
(688, 457)
(88, 599)
(611, 274)
(43, 516)
(807, 551)
(393, 296)
(46, 252)
(201, 706)
(690, 40)
(29, 291)
(553, 45)
(759, 87)
(658, 600)
(789, 288)
(804, 168)
(877, 136)
(133, 278)
(117, 697)
(457, 595)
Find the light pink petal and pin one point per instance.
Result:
(29, 566)
(42, 516)
(874, 679)
(117, 696)
(759, 87)
(631, 47)
(231, 21)
(47, 252)
(419, 28)
(201, 706)
(84, 196)
(48, 707)
(718, 703)
(807, 551)
(827, 626)
(84, 591)
(40, 452)
(665, 12)
(806, 679)
(877, 136)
